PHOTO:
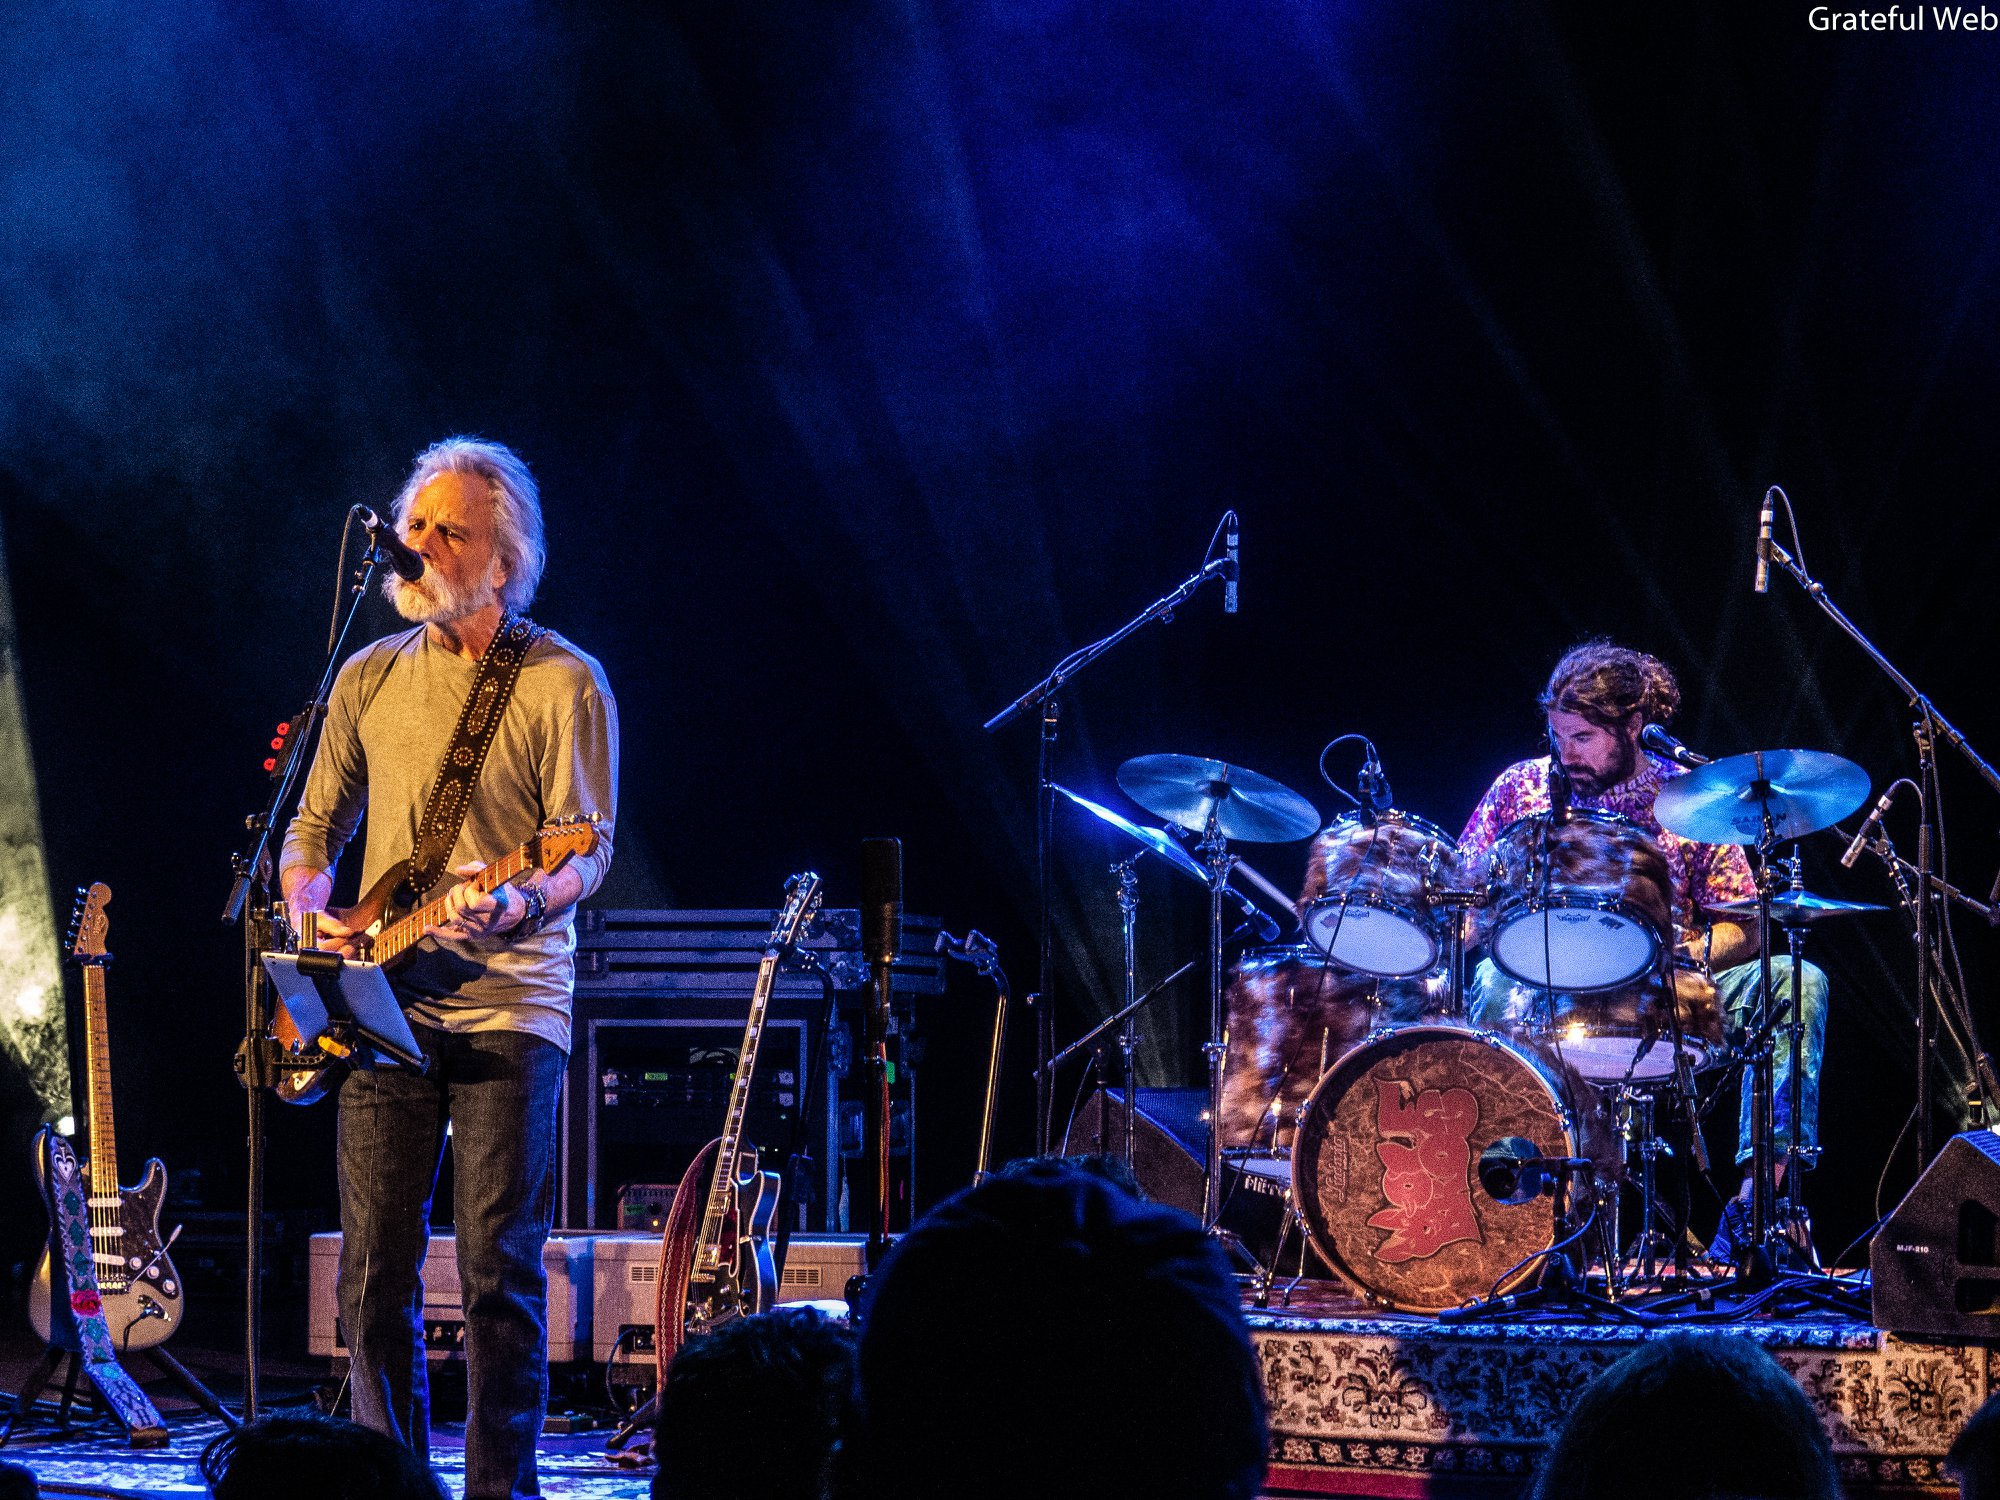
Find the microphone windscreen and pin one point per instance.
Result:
(881, 899)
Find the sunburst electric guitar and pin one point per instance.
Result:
(138, 1285)
(390, 929)
(728, 1272)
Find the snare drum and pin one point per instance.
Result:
(1405, 1171)
(1368, 896)
(1584, 904)
(1622, 1035)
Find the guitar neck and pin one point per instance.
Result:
(722, 1188)
(393, 939)
(97, 1079)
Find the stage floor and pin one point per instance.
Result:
(1367, 1405)
(1361, 1404)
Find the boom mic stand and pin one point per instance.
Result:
(1046, 696)
(1930, 725)
(250, 904)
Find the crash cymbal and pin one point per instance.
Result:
(1186, 789)
(1156, 840)
(1724, 801)
(1797, 908)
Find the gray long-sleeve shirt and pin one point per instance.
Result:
(389, 720)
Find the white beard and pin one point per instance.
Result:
(432, 600)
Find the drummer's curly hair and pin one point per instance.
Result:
(1608, 683)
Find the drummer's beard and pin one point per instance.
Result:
(1591, 784)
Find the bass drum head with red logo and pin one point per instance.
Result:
(1386, 1169)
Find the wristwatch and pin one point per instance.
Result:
(538, 907)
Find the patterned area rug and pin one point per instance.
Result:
(571, 1468)
(1403, 1407)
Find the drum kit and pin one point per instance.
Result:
(1443, 1141)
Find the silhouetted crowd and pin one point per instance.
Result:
(1051, 1334)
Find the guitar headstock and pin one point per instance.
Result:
(801, 905)
(565, 839)
(88, 925)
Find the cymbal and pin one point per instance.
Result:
(1723, 802)
(1797, 908)
(1186, 789)
(1156, 840)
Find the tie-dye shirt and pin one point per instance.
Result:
(1704, 875)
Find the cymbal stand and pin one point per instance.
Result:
(1215, 853)
(1128, 1035)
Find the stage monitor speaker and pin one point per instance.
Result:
(1169, 1141)
(1936, 1262)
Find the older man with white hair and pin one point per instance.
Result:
(488, 989)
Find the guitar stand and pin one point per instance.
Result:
(164, 1364)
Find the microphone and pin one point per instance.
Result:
(881, 899)
(1229, 578)
(1764, 519)
(1870, 826)
(1559, 787)
(1376, 798)
(1664, 745)
(400, 555)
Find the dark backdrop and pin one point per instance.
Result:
(871, 356)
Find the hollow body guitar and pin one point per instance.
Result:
(725, 1271)
(392, 928)
(137, 1284)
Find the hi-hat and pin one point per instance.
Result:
(1724, 802)
(1797, 908)
(1157, 840)
(1188, 790)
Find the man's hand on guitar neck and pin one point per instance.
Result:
(307, 891)
(472, 913)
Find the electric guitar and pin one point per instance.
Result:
(390, 928)
(137, 1283)
(731, 1273)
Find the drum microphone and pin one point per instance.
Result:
(1229, 577)
(1559, 787)
(1870, 826)
(1664, 745)
(1376, 798)
(400, 555)
(1764, 519)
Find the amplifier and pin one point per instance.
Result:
(658, 1015)
(627, 1272)
(567, 1259)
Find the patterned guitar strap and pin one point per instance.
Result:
(70, 1208)
(478, 725)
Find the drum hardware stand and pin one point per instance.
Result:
(1128, 1037)
(1559, 1286)
(1045, 695)
(1214, 852)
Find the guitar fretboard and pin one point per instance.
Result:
(393, 939)
(721, 1190)
(106, 1230)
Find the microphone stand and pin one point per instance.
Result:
(1929, 726)
(250, 904)
(1046, 695)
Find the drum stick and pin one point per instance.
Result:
(1283, 901)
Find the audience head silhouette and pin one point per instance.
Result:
(1692, 1416)
(1048, 1333)
(314, 1458)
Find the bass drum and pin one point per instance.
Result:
(1405, 1174)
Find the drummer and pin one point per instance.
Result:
(1597, 701)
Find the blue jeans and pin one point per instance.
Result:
(1492, 998)
(1737, 990)
(498, 1090)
